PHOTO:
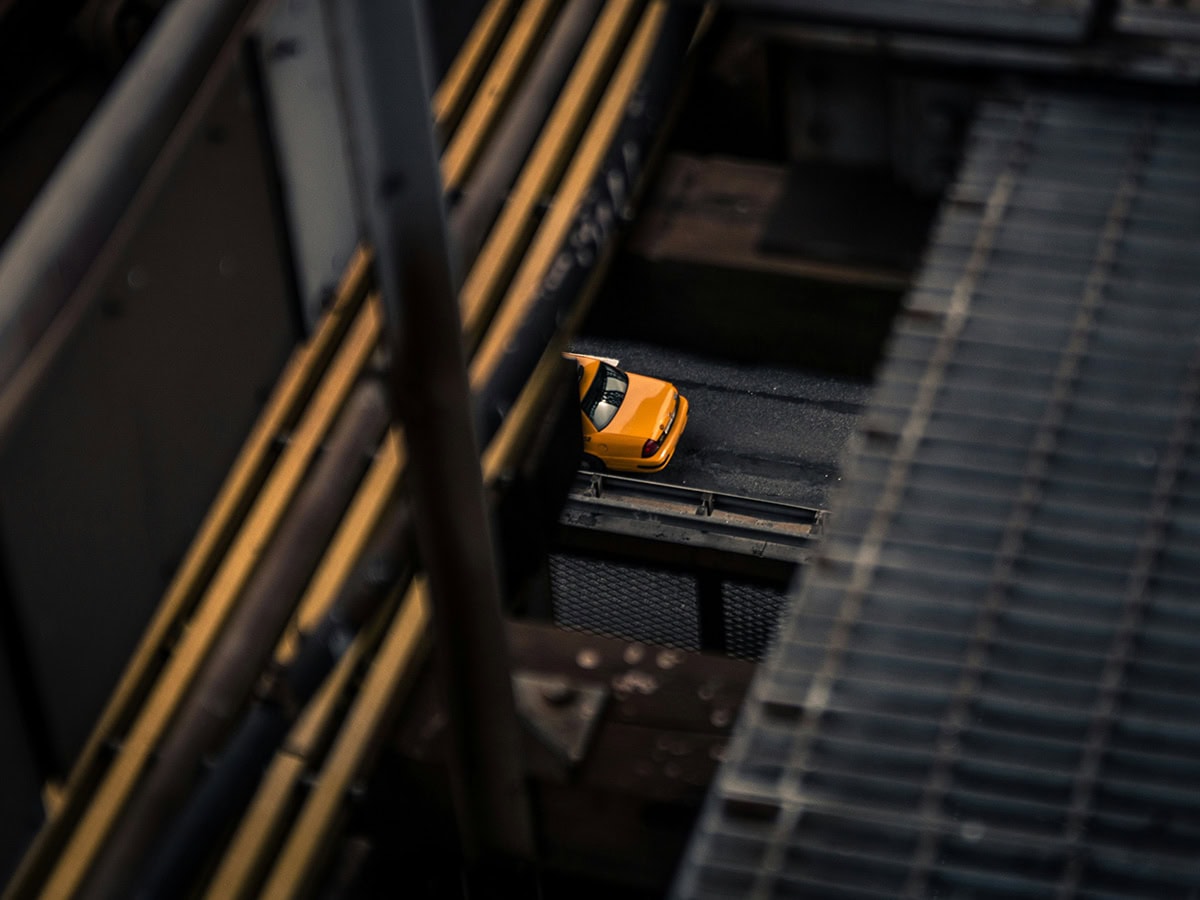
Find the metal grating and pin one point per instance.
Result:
(988, 685)
(751, 615)
(1160, 18)
(622, 600)
(1038, 19)
(643, 602)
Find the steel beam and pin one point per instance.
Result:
(378, 51)
(485, 190)
(225, 680)
(219, 599)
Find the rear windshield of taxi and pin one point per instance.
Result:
(604, 396)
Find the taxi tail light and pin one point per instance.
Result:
(649, 448)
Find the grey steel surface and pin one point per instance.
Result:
(986, 684)
(310, 148)
(561, 711)
(663, 563)
(55, 245)
(140, 417)
(380, 53)
(1121, 54)
(752, 614)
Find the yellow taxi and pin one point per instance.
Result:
(631, 423)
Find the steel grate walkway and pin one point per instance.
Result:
(988, 685)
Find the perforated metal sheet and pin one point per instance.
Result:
(630, 601)
(1047, 19)
(751, 618)
(642, 602)
(989, 683)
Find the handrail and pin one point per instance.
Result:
(657, 510)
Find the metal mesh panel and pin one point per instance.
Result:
(751, 618)
(1062, 19)
(987, 686)
(628, 601)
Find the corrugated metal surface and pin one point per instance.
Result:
(989, 684)
(1038, 19)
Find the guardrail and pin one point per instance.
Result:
(657, 511)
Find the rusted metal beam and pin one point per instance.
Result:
(620, 817)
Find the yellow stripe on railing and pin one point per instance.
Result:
(170, 688)
(375, 493)
(397, 659)
(584, 168)
(558, 141)
(501, 80)
(360, 733)
(217, 529)
(246, 862)
(451, 96)
(264, 823)
(383, 688)
(294, 386)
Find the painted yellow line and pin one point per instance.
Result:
(382, 691)
(52, 797)
(452, 94)
(526, 413)
(493, 94)
(300, 855)
(243, 865)
(265, 821)
(89, 836)
(155, 715)
(557, 141)
(294, 384)
(263, 826)
(249, 469)
(582, 172)
(506, 448)
(376, 491)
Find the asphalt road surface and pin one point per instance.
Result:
(759, 431)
